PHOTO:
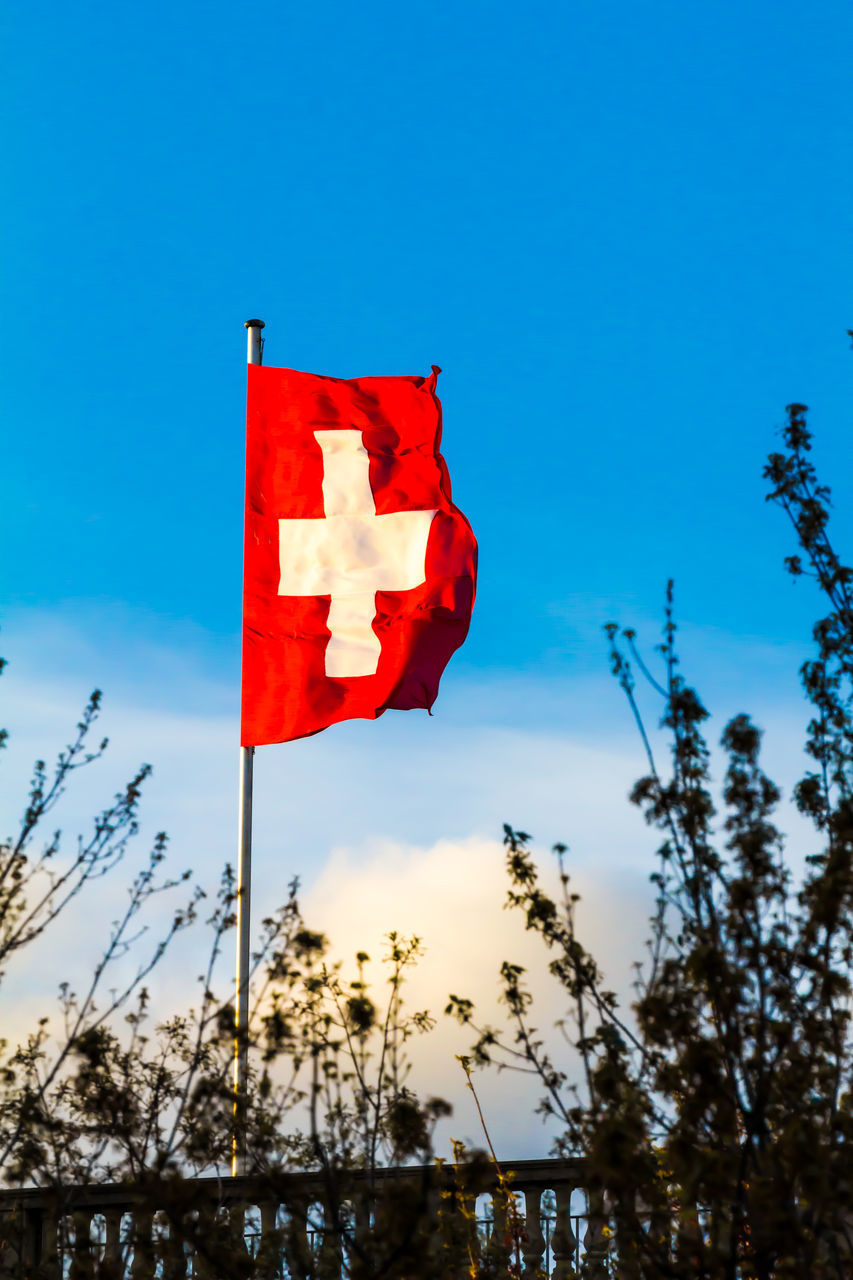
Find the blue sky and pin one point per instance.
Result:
(623, 231)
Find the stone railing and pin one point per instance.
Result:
(124, 1233)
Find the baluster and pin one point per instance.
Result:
(170, 1247)
(297, 1249)
(33, 1235)
(564, 1242)
(596, 1241)
(269, 1212)
(202, 1234)
(11, 1242)
(442, 1204)
(142, 1267)
(498, 1240)
(630, 1222)
(50, 1243)
(363, 1213)
(362, 1255)
(465, 1213)
(236, 1227)
(435, 1242)
(533, 1242)
(112, 1263)
(269, 1255)
(82, 1262)
(19, 1237)
(330, 1257)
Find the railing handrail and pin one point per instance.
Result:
(524, 1174)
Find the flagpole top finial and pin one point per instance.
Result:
(253, 324)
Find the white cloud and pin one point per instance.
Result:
(451, 895)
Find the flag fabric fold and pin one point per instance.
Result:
(359, 570)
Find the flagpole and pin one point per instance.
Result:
(254, 355)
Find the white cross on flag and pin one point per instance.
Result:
(359, 572)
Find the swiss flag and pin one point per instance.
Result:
(359, 571)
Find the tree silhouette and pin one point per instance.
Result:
(715, 1117)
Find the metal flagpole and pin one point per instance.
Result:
(254, 355)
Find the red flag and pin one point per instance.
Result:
(359, 571)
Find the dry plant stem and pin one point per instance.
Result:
(503, 1185)
(466, 1067)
